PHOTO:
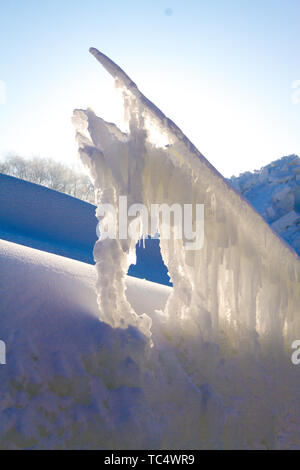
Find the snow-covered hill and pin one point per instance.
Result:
(274, 191)
(41, 218)
(47, 220)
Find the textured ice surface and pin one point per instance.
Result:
(234, 309)
(240, 249)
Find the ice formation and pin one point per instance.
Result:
(234, 309)
(240, 258)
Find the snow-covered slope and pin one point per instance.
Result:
(41, 218)
(38, 217)
(70, 380)
(274, 191)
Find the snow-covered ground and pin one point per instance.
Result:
(72, 381)
(69, 379)
(274, 191)
(96, 359)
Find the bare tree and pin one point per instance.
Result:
(49, 173)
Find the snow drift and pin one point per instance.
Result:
(71, 381)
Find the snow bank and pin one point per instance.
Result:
(71, 381)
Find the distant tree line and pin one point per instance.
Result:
(49, 173)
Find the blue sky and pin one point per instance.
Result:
(221, 69)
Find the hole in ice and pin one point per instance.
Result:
(149, 263)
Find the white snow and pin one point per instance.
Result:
(216, 372)
(284, 222)
(275, 193)
(70, 381)
(45, 219)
